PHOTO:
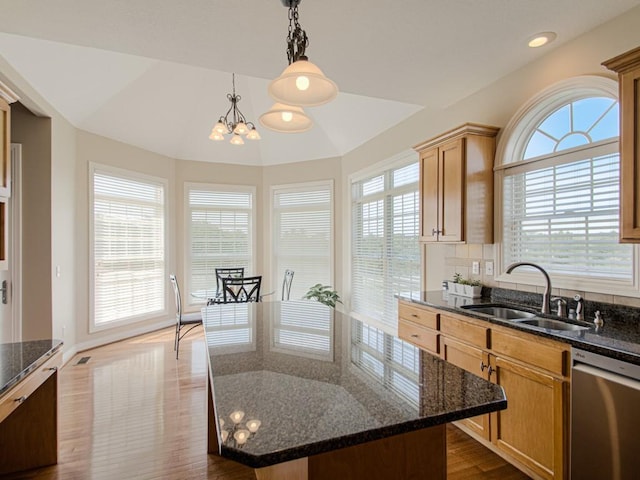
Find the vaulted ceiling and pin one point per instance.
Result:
(155, 73)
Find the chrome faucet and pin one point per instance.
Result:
(546, 297)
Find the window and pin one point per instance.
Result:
(303, 235)
(385, 257)
(560, 188)
(127, 246)
(220, 233)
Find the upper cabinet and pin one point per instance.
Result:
(456, 185)
(627, 66)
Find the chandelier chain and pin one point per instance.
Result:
(297, 40)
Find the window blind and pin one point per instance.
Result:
(565, 217)
(220, 233)
(128, 248)
(385, 257)
(303, 236)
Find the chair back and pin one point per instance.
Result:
(286, 284)
(221, 273)
(176, 292)
(241, 290)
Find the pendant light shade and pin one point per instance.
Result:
(286, 119)
(302, 83)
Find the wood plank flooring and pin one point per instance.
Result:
(134, 412)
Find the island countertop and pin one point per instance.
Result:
(19, 359)
(318, 380)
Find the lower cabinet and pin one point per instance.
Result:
(532, 432)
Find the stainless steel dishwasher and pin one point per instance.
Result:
(605, 418)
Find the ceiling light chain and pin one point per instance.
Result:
(237, 125)
(297, 40)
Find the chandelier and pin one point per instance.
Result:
(301, 84)
(234, 122)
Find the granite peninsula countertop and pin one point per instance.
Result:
(19, 359)
(319, 380)
(619, 337)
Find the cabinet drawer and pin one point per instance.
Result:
(20, 392)
(421, 316)
(465, 331)
(418, 335)
(532, 351)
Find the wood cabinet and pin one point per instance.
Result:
(419, 325)
(627, 66)
(456, 185)
(532, 432)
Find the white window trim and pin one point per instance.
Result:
(187, 299)
(96, 167)
(304, 186)
(398, 160)
(512, 144)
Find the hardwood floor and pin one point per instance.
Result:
(134, 412)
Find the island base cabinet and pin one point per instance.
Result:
(418, 455)
(531, 429)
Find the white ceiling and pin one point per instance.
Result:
(155, 73)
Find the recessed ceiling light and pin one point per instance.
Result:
(540, 39)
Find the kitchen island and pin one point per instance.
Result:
(298, 390)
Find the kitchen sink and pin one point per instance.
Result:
(500, 311)
(549, 324)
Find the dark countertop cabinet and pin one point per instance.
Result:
(19, 359)
(618, 338)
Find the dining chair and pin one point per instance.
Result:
(241, 290)
(186, 321)
(226, 272)
(286, 284)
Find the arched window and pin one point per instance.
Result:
(558, 176)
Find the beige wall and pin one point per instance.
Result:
(34, 134)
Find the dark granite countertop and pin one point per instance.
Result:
(19, 359)
(619, 337)
(318, 380)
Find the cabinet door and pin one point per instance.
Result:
(630, 156)
(5, 142)
(473, 360)
(451, 210)
(429, 225)
(531, 429)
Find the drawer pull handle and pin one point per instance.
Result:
(414, 315)
(55, 369)
(483, 366)
(491, 370)
(21, 399)
(414, 335)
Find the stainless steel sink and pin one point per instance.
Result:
(500, 311)
(549, 324)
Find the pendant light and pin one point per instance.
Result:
(286, 119)
(302, 83)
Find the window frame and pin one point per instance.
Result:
(396, 162)
(512, 145)
(135, 176)
(187, 298)
(276, 277)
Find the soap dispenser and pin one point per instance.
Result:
(598, 320)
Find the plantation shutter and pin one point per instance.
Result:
(128, 232)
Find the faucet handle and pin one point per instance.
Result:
(562, 306)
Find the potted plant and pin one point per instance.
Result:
(465, 287)
(323, 294)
